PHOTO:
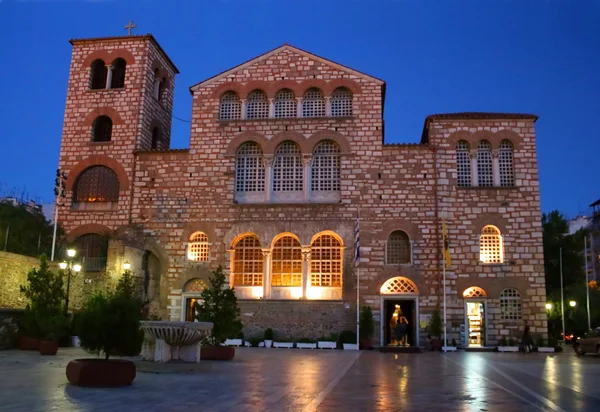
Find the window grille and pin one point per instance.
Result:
(118, 74)
(285, 104)
(485, 169)
(398, 248)
(490, 245)
(248, 262)
(96, 184)
(102, 129)
(326, 261)
(230, 107)
(505, 163)
(510, 305)
(92, 248)
(257, 105)
(474, 292)
(288, 170)
(325, 169)
(463, 164)
(399, 285)
(195, 285)
(249, 168)
(313, 104)
(198, 247)
(341, 103)
(287, 262)
(98, 75)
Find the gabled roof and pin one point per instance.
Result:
(278, 50)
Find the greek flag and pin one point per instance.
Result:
(357, 241)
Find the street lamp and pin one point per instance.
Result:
(126, 266)
(71, 267)
(572, 303)
(548, 306)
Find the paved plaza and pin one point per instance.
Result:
(318, 380)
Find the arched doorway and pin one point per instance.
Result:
(474, 331)
(190, 295)
(399, 301)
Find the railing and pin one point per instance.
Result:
(97, 264)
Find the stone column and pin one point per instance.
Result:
(307, 163)
(305, 268)
(157, 82)
(496, 167)
(328, 106)
(271, 108)
(299, 107)
(231, 266)
(266, 273)
(108, 76)
(474, 177)
(243, 115)
(268, 162)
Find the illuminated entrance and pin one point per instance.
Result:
(475, 317)
(189, 298)
(399, 313)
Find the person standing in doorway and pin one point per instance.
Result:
(401, 329)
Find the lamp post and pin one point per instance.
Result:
(572, 303)
(59, 193)
(71, 267)
(126, 266)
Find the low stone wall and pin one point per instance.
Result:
(9, 319)
(13, 274)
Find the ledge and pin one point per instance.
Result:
(284, 119)
(487, 187)
(307, 204)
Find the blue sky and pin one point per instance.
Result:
(535, 56)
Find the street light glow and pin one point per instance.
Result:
(62, 265)
(548, 306)
(126, 265)
(71, 253)
(77, 268)
(572, 303)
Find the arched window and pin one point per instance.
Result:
(231, 106)
(510, 305)
(257, 105)
(326, 261)
(398, 248)
(248, 262)
(118, 74)
(490, 245)
(397, 285)
(505, 162)
(197, 250)
(96, 184)
(286, 104)
(485, 169)
(288, 171)
(325, 169)
(155, 138)
(98, 75)
(249, 168)
(287, 262)
(474, 292)
(92, 249)
(341, 102)
(313, 104)
(102, 129)
(463, 164)
(162, 87)
(157, 84)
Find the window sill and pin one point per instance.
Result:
(394, 265)
(487, 187)
(119, 89)
(284, 119)
(80, 207)
(272, 204)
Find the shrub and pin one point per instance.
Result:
(254, 341)
(540, 343)
(269, 335)
(347, 336)
(435, 323)
(511, 342)
(367, 327)
(503, 342)
(453, 342)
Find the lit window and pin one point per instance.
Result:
(257, 105)
(510, 305)
(490, 245)
(398, 248)
(325, 169)
(286, 104)
(485, 169)
(474, 293)
(287, 262)
(341, 103)
(313, 104)
(96, 184)
(326, 261)
(118, 74)
(463, 164)
(249, 168)
(248, 262)
(288, 171)
(102, 129)
(505, 163)
(230, 107)
(98, 75)
(198, 247)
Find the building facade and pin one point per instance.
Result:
(286, 150)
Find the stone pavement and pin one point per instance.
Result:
(318, 380)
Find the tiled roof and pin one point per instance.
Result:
(481, 115)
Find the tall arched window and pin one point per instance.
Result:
(505, 163)
(155, 138)
(102, 129)
(197, 249)
(288, 171)
(286, 104)
(313, 104)
(326, 261)
(98, 74)
(118, 74)
(463, 164)
(286, 262)
(96, 184)
(159, 86)
(490, 245)
(485, 169)
(510, 305)
(247, 262)
(230, 107)
(257, 105)
(341, 102)
(398, 248)
(325, 169)
(92, 249)
(249, 168)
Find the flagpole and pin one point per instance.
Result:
(562, 298)
(444, 283)
(356, 263)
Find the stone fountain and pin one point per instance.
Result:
(173, 341)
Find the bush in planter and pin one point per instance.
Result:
(254, 341)
(503, 342)
(346, 336)
(436, 328)
(367, 327)
(269, 335)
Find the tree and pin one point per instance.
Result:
(435, 323)
(219, 305)
(367, 328)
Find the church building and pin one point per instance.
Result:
(286, 151)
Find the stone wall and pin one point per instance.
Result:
(9, 327)
(13, 274)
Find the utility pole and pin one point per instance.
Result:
(59, 193)
(562, 299)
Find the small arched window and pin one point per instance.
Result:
(118, 74)
(198, 247)
(156, 138)
(257, 105)
(325, 169)
(96, 184)
(102, 129)
(159, 86)
(98, 74)
(92, 249)
(326, 261)
(485, 169)
(463, 164)
(505, 163)
(490, 245)
(247, 262)
(313, 104)
(341, 102)
(230, 107)
(398, 248)
(287, 262)
(285, 104)
(510, 305)
(249, 168)
(288, 171)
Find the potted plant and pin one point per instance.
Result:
(218, 304)
(348, 340)
(436, 328)
(507, 345)
(53, 329)
(367, 328)
(327, 342)
(238, 341)
(75, 329)
(543, 348)
(306, 343)
(269, 335)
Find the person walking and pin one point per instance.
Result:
(527, 339)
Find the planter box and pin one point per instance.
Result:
(261, 344)
(268, 343)
(233, 342)
(545, 349)
(327, 344)
(101, 373)
(350, 346)
(219, 353)
(26, 343)
(247, 344)
(508, 348)
(48, 347)
(306, 345)
(449, 349)
(288, 345)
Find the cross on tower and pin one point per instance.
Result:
(130, 26)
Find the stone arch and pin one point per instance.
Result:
(459, 135)
(208, 228)
(284, 234)
(228, 86)
(194, 285)
(238, 140)
(411, 229)
(342, 82)
(474, 292)
(321, 135)
(103, 111)
(109, 57)
(252, 85)
(98, 160)
(507, 134)
(328, 232)
(162, 72)
(313, 83)
(486, 219)
(480, 135)
(237, 238)
(294, 86)
(287, 135)
(87, 229)
(399, 285)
